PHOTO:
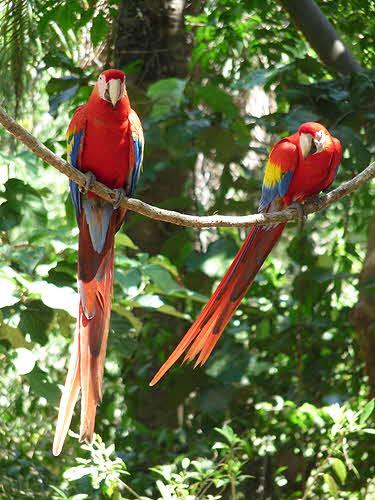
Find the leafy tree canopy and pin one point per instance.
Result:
(281, 409)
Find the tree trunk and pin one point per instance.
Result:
(364, 312)
(151, 40)
(151, 36)
(321, 35)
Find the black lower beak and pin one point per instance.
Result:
(313, 149)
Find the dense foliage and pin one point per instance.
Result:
(281, 409)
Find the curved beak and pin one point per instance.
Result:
(312, 145)
(114, 91)
(305, 141)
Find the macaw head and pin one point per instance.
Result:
(312, 138)
(111, 86)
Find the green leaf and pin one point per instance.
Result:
(78, 472)
(126, 313)
(36, 320)
(70, 212)
(220, 446)
(12, 335)
(332, 485)
(129, 281)
(56, 297)
(217, 100)
(297, 116)
(9, 294)
(254, 78)
(164, 490)
(166, 95)
(340, 468)
(123, 240)
(228, 433)
(57, 99)
(185, 463)
(57, 85)
(99, 29)
(23, 205)
(42, 386)
(155, 302)
(366, 412)
(161, 278)
(216, 260)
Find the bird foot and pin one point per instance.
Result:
(90, 180)
(302, 216)
(314, 198)
(120, 195)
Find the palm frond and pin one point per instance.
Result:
(15, 34)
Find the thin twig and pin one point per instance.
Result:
(171, 216)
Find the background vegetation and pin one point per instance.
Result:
(281, 410)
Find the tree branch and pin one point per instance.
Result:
(321, 35)
(177, 218)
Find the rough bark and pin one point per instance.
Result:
(364, 312)
(151, 35)
(321, 35)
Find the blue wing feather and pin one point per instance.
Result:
(138, 153)
(74, 143)
(138, 145)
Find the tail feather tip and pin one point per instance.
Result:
(56, 448)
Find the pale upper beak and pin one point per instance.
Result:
(305, 141)
(310, 145)
(114, 91)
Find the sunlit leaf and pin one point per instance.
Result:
(332, 485)
(9, 295)
(78, 472)
(366, 412)
(340, 469)
(24, 361)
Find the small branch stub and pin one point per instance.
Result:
(171, 216)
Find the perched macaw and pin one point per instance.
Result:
(299, 166)
(104, 140)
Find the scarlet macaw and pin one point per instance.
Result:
(105, 140)
(299, 166)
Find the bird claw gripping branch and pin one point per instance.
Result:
(90, 180)
(120, 195)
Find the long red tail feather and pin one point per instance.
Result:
(86, 364)
(203, 335)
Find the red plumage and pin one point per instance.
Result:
(291, 175)
(105, 138)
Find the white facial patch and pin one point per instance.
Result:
(102, 86)
(320, 140)
(111, 91)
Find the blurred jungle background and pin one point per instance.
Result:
(283, 408)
